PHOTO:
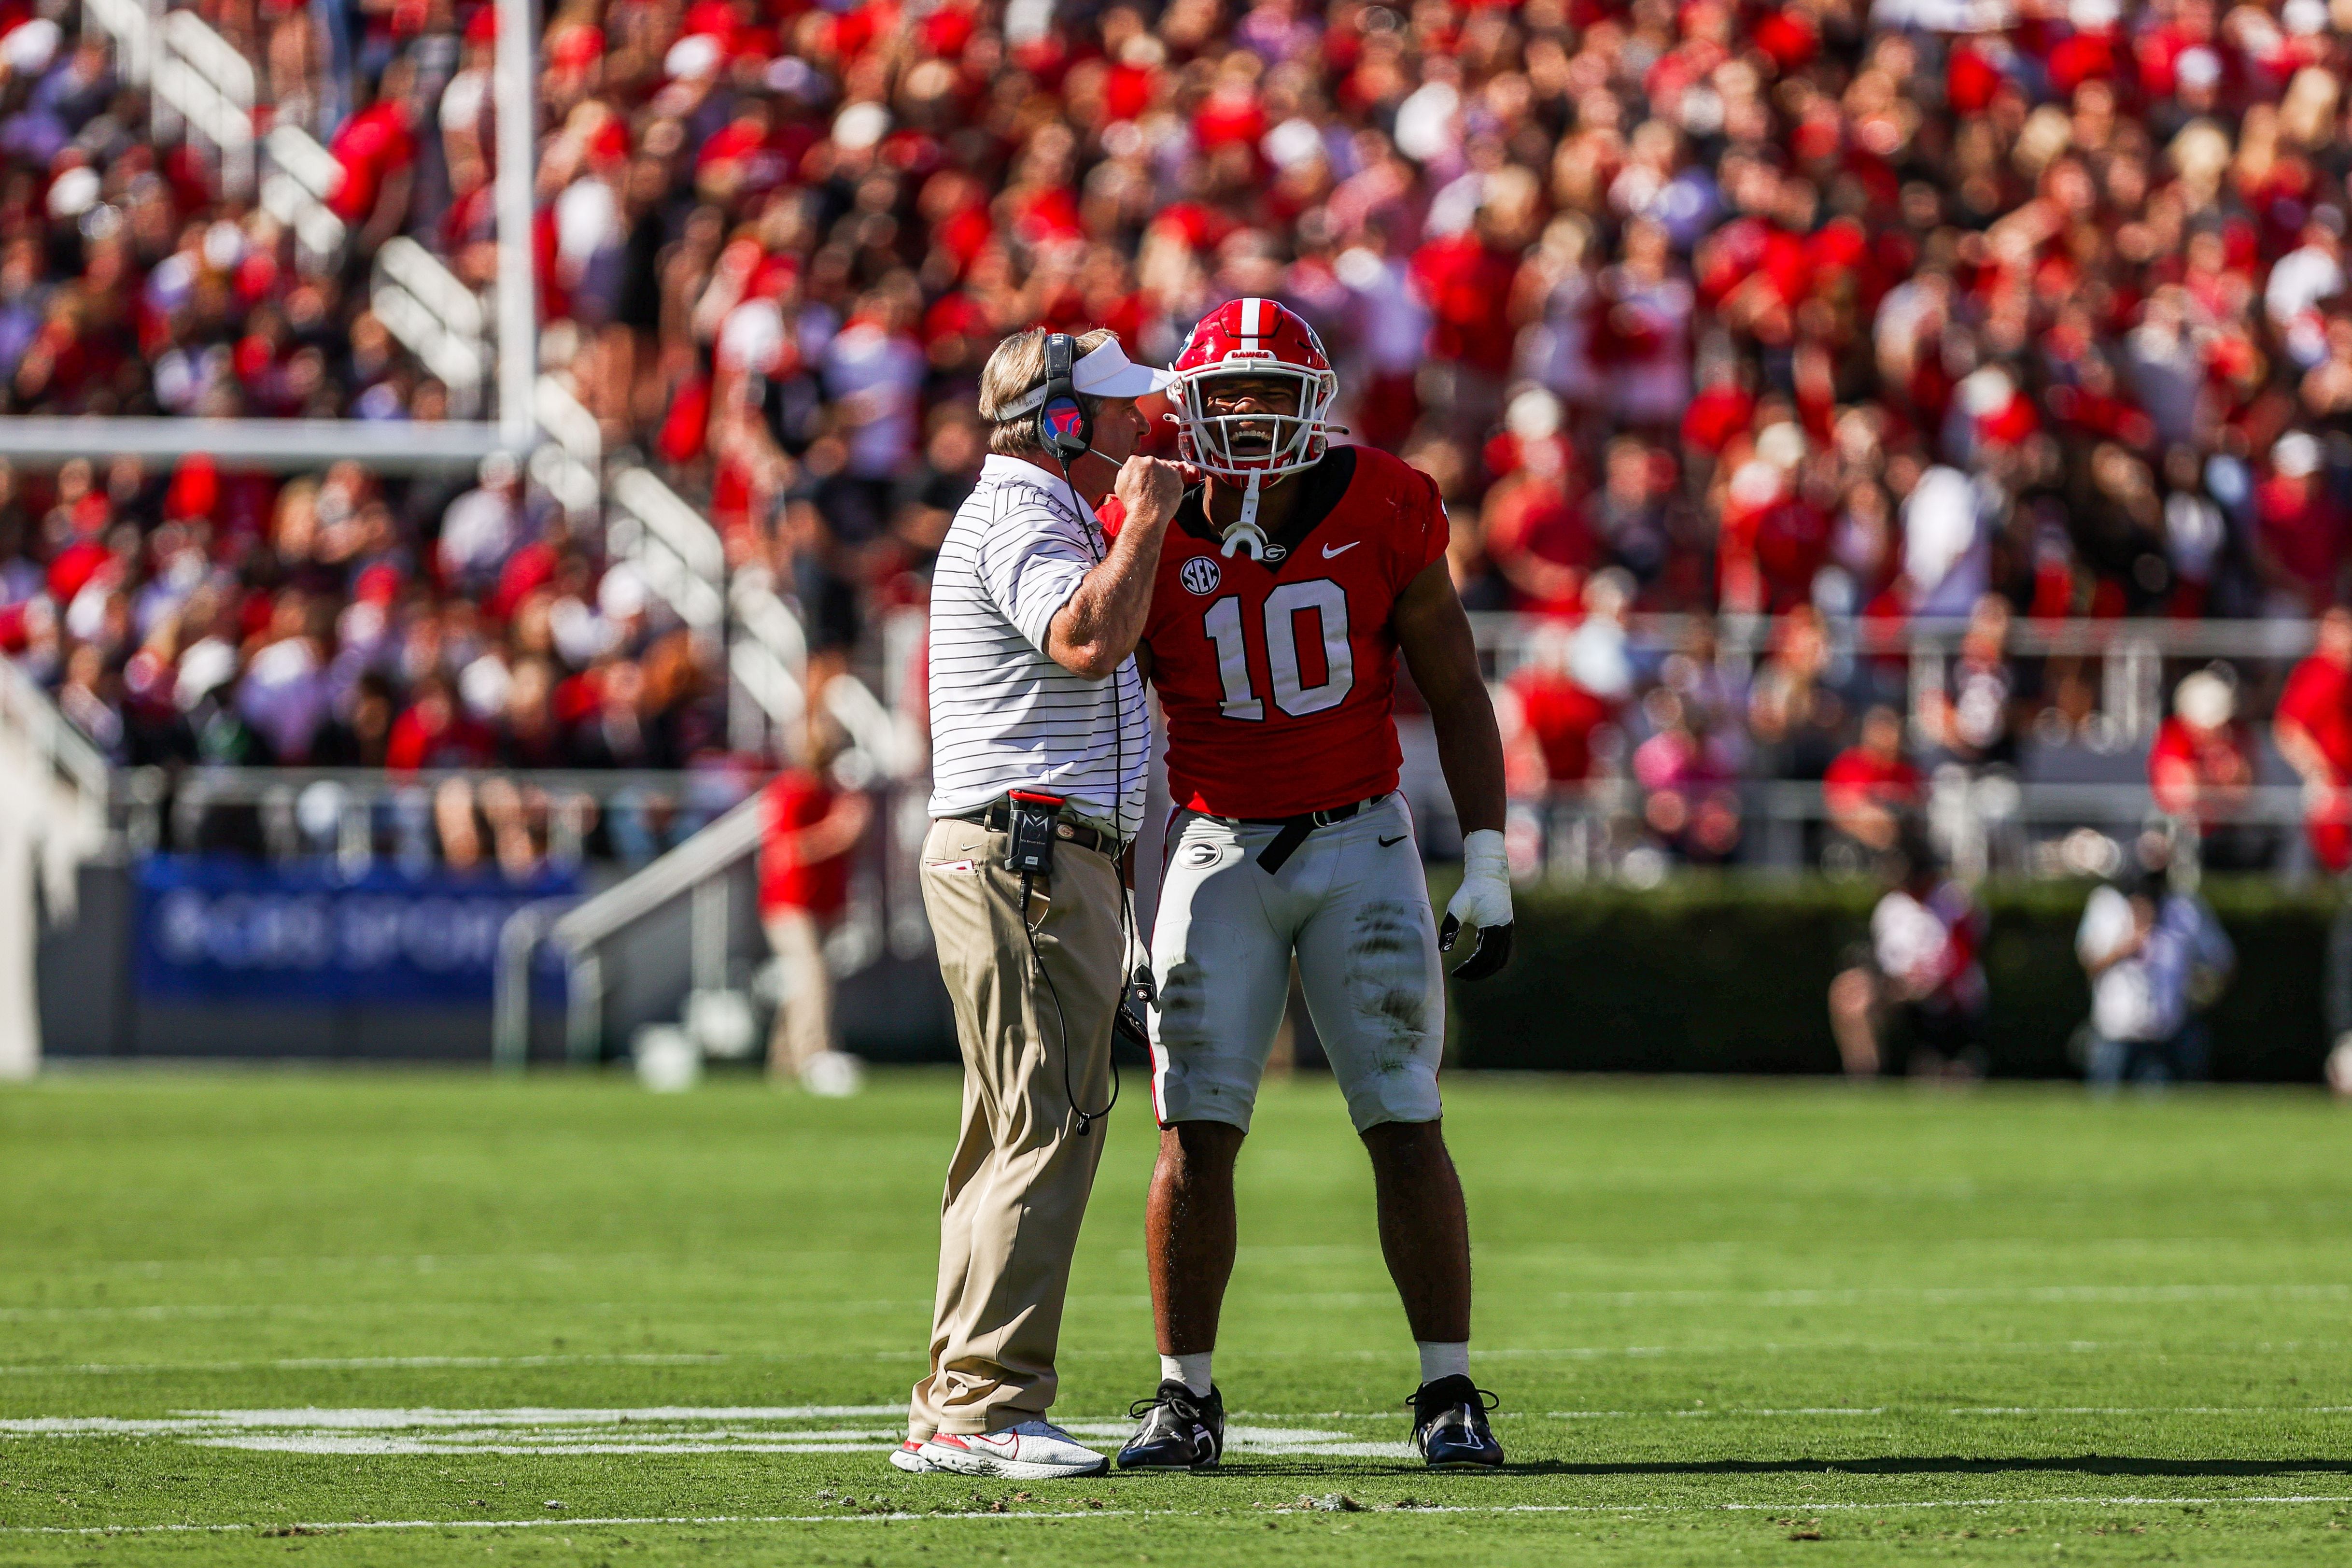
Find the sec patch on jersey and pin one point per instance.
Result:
(1200, 575)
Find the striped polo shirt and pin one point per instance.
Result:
(1004, 716)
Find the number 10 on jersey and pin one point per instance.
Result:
(1285, 605)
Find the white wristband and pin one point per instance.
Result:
(1482, 854)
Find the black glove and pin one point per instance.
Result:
(1488, 954)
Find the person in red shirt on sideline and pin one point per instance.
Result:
(2312, 727)
(1571, 687)
(1288, 585)
(2200, 769)
(811, 827)
(1870, 787)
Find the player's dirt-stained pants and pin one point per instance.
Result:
(1018, 1184)
(1351, 902)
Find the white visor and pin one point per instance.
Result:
(1106, 372)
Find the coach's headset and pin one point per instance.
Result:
(1066, 430)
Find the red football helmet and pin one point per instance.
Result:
(1254, 337)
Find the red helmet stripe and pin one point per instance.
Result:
(1252, 318)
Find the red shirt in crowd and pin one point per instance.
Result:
(435, 733)
(2186, 764)
(1468, 286)
(2304, 531)
(1562, 716)
(1858, 777)
(373, 146)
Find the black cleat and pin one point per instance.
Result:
(1449, 1425)
(1179, 1431)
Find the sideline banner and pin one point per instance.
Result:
(225, 927)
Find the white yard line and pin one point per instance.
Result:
(362, 1364)
(1919, 1410)
(1701, 1414)
(1858, 1295)
(2157, 1410)
(1801, 1507)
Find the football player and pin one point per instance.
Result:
(1290, 580)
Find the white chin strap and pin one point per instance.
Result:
(1246, 535)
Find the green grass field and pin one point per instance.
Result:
(409, 1319)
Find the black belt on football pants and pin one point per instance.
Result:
(1294, 830)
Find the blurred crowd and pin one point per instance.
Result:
(340, 620)
(1956, 309)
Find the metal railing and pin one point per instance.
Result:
(302, 179)
(200, 75)
(677, 552)
(1985, 822)
(425, 305)
(359, 814)
(570, 464)
(127, 22)
(27, 709)
(2131, 655)
(53, 785)
(696, 868)
(199, 83)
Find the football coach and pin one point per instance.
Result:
(1039, 742)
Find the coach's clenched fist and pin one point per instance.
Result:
(1149, 489)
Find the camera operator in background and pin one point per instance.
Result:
(1039, 743)
(1918, 976)
(2155, 957)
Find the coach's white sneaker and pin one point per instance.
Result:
(909, 1457)
(1033, 1451)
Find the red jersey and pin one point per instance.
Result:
(1276, 677)
(2318, 696)
(1856, 779)
(1562, 717)
(798, 799)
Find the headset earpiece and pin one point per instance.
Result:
(1063, 428)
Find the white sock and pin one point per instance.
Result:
(1441, 1358)
(1192, 1371)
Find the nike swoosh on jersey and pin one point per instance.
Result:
(1331, 550)
(1393, 843)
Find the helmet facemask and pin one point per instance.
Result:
(1251, 449)
(1270, 445)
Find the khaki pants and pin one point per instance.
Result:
(804, 1018)
(1017, 1187)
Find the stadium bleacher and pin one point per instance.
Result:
(1860, 316)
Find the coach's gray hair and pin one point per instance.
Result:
(1012, 373)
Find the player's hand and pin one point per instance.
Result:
(1149, 488)
(1483, 903)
